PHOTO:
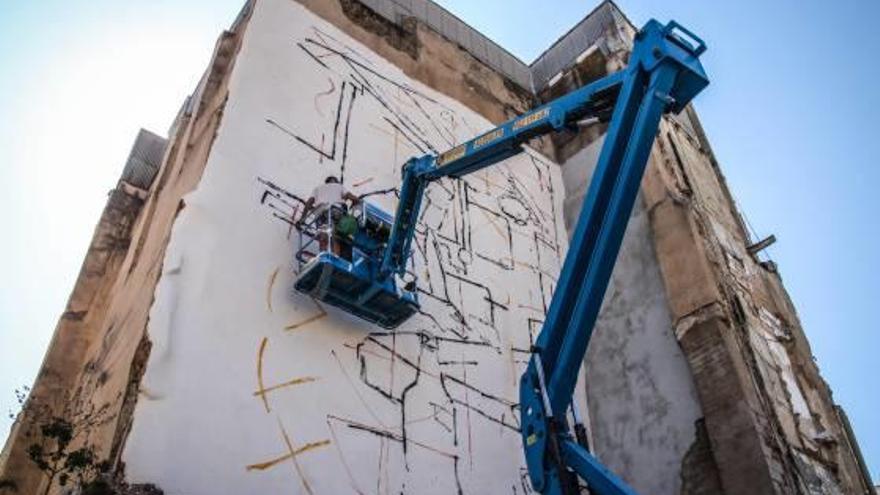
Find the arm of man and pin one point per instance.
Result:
(310, 203)
(352, 198)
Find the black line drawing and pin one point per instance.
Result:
(427, 381)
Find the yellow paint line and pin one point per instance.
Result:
(294, 326)
(300, 324)
(269, 288)
(295, 381)
(293, 452)
(362, 182)
(260, 372)
(262, 466)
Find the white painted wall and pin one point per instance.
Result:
(428, 409)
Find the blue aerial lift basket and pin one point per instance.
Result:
(348, 279)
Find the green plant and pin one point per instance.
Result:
(21, 395)
(60, 448)
(54, 456)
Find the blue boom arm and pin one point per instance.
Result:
(663, 75)
(506, 140)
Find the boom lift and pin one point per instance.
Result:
(664, 73)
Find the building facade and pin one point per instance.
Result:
(185, 361)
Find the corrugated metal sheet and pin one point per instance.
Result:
(144, 160)
(563, 53)
(419, 8)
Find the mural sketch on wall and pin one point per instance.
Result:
(432, 406)
(445, 247)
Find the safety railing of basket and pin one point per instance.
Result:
(322, 222)
(318, 223)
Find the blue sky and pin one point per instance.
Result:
(791, 114)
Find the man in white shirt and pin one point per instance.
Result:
(326, 195)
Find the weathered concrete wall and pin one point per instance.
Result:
(57, 380)
(271, 391)
(643, 405)
(766, 422)
(772, 424)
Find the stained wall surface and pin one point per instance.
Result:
(273, 392)
(643, 404)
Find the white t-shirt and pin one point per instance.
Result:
(328, 194)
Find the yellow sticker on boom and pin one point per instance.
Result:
(488, 137)
(451, 155)
(531, 440)
(531, 119)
